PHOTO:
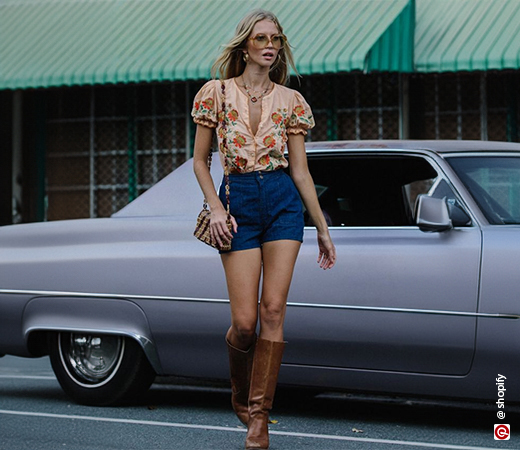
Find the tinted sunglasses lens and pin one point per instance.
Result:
(277, 42)
(260, 41)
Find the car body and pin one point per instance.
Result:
(423, 300)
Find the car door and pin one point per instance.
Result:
(398, 299)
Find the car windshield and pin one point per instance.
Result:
(494, 182)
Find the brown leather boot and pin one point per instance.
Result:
(266, 365)
(240, 365)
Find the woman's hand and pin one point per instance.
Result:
(218, 226)
(327, 255)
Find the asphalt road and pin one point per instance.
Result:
(36, 415)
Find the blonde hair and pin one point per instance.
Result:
(231, 64)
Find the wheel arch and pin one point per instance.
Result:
(46, 314)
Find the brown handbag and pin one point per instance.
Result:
(202, 228)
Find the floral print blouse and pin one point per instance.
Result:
(284, 111)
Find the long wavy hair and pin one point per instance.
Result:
(231, 63)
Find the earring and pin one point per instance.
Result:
(245, 57)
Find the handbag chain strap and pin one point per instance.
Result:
(225, 148)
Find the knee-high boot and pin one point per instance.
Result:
(240, 365)
(264, 376)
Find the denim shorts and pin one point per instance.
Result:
(266, 206)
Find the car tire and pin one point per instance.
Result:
(100, 369)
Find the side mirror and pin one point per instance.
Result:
(432, 214)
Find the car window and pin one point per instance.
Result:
(373, 190)
(494, 183)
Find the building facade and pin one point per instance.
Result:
(85, 149)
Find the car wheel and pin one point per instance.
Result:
(98, 369)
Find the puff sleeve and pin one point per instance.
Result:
(205, 105)
(301, 118)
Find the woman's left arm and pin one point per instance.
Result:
(303, 180)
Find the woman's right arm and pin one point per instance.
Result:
(218, 226)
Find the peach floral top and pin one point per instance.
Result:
(284, 111)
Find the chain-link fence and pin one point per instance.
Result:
(481, 106)
(353, 106)
(108, 144)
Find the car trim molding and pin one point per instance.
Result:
(292, 304)
(406, 310)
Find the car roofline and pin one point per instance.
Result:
(436, 146)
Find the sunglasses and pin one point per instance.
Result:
(261, 41)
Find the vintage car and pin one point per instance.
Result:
(424, 299)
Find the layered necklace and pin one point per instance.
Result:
(255, 98)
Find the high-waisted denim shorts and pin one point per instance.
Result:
(266, 206)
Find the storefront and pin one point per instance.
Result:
(97, 95)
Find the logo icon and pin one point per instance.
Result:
(502, 432)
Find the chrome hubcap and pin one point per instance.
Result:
(91, 360)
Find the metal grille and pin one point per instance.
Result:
(477, 105)
(353, 106)
(106, 145)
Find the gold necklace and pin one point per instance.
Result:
(255, 98)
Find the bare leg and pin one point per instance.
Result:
(243, 269)
(279, 258)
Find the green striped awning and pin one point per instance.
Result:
(347, 35)
(456, 35)
(75, 42)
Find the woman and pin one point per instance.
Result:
(262, 116)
